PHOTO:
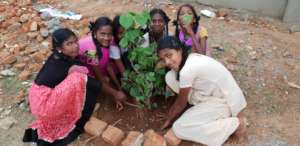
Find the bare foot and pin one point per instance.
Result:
(242, 129)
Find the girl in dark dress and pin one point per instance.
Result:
(62, 97)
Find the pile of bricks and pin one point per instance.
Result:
(115, 136)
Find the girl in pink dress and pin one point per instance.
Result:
(94, 53)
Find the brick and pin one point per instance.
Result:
(171, 138)
(20, 66)
(24, 75)
(38, 57)
(95, 126)
(134, 138)
(154, 139)
(113, 135)
(10, 59)
(35, 67)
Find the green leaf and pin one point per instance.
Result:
(132, 35)
(126, 20)
(187, 18)
(141, 19)
(123, 43)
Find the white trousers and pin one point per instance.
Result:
(208, 123)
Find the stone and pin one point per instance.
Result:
(14, 26)
(20, 66)
(53, 23)
(221, 13)
(38, 57)
(34, 26)
(24, 18)
(134, 138)
(7, 123)
(2, 18)
(95, 126)
(24, 75)
(171, 138)
(7, 73)
(24, 106)
(153, 139)
(32, 35)
(113, 135)
(45, 44)
(45, 15)
(44, 32)
(39, 38)
(10, 59)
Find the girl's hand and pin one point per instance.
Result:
(120, 97)
(165, 125)
(78, 68)
(189, 29)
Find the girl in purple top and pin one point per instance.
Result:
(189, 32)
(94, 53)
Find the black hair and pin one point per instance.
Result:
(116, 26)
(94, 27)
(195, 24)
(59, 36)
(172, 42)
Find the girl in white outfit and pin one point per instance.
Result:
(207, 85)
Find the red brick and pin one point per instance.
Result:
(24, 75)
(20, 66)
(35, 67)
(38, 57)
(171, 138)
(154, 139)
(10, 59)
(134, 138)
(113, 135)
(95, 126)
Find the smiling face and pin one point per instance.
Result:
(70, 47)
(157, 23)
(104, 35)
(171, 57)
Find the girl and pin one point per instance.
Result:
(207, 85)
(119, 55)
(189, 32)
(159, 25)
(94, 53)
(62, 97)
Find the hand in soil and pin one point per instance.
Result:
(119, 105)
(165, 125)
(140, 113)
(161, 117)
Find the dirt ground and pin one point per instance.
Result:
(262, 54)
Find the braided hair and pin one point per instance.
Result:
(94, 27)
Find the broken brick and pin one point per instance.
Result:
(38, 57)
(154, 139)
(134, 138)
(95, 126)
(24, 75)
(171, 138)
(113, 135)
(10, 59)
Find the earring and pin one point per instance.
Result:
(59, 51)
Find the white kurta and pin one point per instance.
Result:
(216, 97)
